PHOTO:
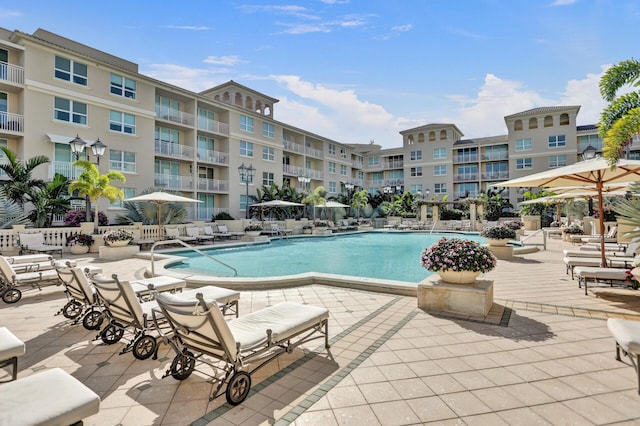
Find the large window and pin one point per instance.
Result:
(343, 170)
(267, 178)
(585, 140)
(373, 161)
(416, 155)
(439, 153)
(246, 123)
(70, 111)
(415, 188)
(268, 153)
(68, 70)
(122, 122)
(440, 170)
(267, 130)
(246, 149)
(128, 193)
(557, 141)
(523, 163)
(557, 161)
(332, 187)
(332, 149)
(122, 161)
(243, 202)
(523, 144)
(440, 188)
(123, 86)
(332, 167)
(416, 171)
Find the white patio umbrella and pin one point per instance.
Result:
(592, 174)
(276, 203)
(159, 198)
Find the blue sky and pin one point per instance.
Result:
(362, 70)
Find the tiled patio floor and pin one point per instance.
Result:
(550, 362)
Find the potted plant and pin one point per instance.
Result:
(498, 235)
(569, 231)
(307, 229)
(117, 238)
(457, 261)
(321, 225)
(253, 229)
(79, 243)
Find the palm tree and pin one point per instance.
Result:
(317, 197)
(620, 120)
(20, 186)
(147, 213)
(10, 212)
(49, 201)
(92, 184)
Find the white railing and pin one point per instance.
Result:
(11, 122)
(173, 149)
(65, 169)
(11, 73)
(214, 185)
(213, 126)
(293, 147)
(174, 115)
(173, 181)
(288, 169)
(313, 152)
(213, 156)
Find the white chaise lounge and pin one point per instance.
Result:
(22, 274)
(34, 243)
(626, 333)
(594, 274)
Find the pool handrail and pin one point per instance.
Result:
(190, 247)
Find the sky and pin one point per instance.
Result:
(358, 71)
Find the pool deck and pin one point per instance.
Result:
(542, 356)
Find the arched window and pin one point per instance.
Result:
(248, 103)
(226, 98)
(517, 125)
(267, 110)
(564, 119)
(443, 135)
(432, 136)
(548, 121)
(410, 140)
(533, 123)
(238, 101)
(420, 137)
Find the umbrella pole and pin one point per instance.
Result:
(159, 226)
(603, 258)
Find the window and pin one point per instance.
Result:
(416, 171)
(557, 141)
(439, 153)
(564, 119)
(416, 155)
(373, 161)
(268, 153)
(416, 188)
(332, 149)
(206, 120)
(548, 121)
(432, 136)
(122, 122)
(267, 130)
(246, 149)
(523, 144)
(267, 178)
(440, 170)
(332, 167)
(123, 86)
(557, 161)
(410, 140)
(440, 188)
(68, 70)
(246, 123)
(420, 138)
(523, 163)
(70, 111)
(243, 178)
(343, 153)
(332, 187)
(243, 202)
(377, 178)
(122, 161)
(517, 125)
(443, 135)
(128, 193)
(533, 123)
(593, 140)
(343, 170)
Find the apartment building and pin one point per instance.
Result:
(53, 89)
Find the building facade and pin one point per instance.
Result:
(53, 89)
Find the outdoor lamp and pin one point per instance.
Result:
(77, 146)
(589, 153)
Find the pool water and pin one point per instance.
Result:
(392, 256)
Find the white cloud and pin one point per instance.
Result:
(194, 79)
(222, 60)
(188, 27)
(10, 14)
(402, 28)
(586, 92)
(563, 3)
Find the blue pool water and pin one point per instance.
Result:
(393, 256)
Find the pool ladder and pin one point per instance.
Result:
(190, 247)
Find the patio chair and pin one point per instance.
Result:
(630, 250)
(29, 258)
(610, 237)
(10, 349)
(20, 275)
(222, 231)
(259, 337)
(174, 234)
(34, 243)
(626, 334)
(596, 274)
(52, 397)
(200, 238)
(82, 301)
(613, 262)
(279, 232)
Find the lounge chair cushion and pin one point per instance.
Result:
(52, 397)
(626, 333)
(10, 345)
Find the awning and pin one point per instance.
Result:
(66, 139)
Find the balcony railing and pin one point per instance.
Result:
(11, 122)
(357, 164)
(173, 149)
(466, 177)
(213, 185)
(290, 170)
(394, 164)
(213, 126)
(213, 156)
(495, 176)
(313, 152)
(65, 169)
(293, 147)
(494, 156)
(468, 158)
(11, 73)
(174, 181)
(471, 194)
(174, 115)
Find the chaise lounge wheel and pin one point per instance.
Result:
(182, 366)
(111, 334)
(238, 387)
(11, 295)
(144, 347)
(72, 309)
(92, 320)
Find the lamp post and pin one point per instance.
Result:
(98, 149)
(304, 181)
(589, 153)
(246, 175)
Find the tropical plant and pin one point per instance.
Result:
(10, 212)
(321, 224)
(628, 211)
(117, 235)
(495, 203)
(92, 184)
(253, 227)
(574, 230)
(513, 224)
(457, 255)
(498, 232)
(221, 216)
(80, 239)
(359, 199)
(620, 120)
(49, 201)
(147, 212)
(316, 198)
(20, 185)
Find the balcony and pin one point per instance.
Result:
(66, 169)
(174, 182)
(471, 177)
(293, 147)
(213, 156)
(173, 150)
(11, 74)
(213, 185)
(175, 116)
(290, 170)
(495, 176)
(11, 124)
(313, 152)
(213, 126)
(494, 156)
(394, 164)
(466, 158)
(357, 164)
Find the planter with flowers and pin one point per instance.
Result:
(572, 232)
(253, 230)
(79, 243)
(307, 229)
(117, 238)
(457, 261)
(498, 235)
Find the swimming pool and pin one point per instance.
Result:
(391, 256)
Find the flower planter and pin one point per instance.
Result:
(458, 277)
(253, 233)
(79, 249)
(497, 242)
(307, 231)
(121, 243)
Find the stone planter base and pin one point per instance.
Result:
(502, 252)
(116, 253)
(472, 299)
(79, 249)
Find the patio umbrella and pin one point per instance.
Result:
(159, 198)
(592, 175)
(275, 203)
